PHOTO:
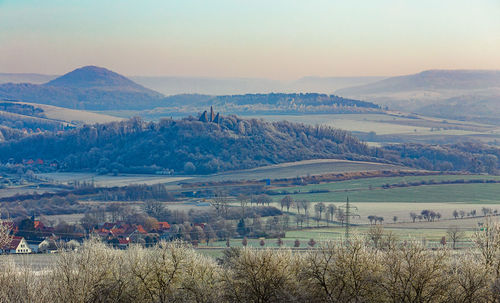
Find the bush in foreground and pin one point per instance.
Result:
(334, 272)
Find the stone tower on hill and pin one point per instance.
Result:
(214, 118)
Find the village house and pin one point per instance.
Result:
(17, 245)
(48, 245)
(121, 234)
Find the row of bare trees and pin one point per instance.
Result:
(358, 271)
(330, 211)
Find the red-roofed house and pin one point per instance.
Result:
(18, 245)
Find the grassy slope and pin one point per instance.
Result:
(359, 191)
(68, 115)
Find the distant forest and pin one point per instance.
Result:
(190, 146)
(271, 103)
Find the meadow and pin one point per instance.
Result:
(370, 190)
(397, 126)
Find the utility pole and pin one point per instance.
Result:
(348, 216)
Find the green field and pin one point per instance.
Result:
(368, 190)
(432, 236)
(395, 124)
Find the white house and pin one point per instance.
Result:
(18, 245)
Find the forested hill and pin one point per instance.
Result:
(309, 99)
(190, 146)
(186, 145)
(271, 103)
(89, 87)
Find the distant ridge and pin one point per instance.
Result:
(170, 85)
(95, 77)
(88, 87)
(429, 80)
(25, 78)
(472, 95)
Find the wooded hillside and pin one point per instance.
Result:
(190, 146)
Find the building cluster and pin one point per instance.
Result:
(44, 239)
(121, 234)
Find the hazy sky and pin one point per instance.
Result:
(280, 39)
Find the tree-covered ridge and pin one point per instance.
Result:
(313, 99)
(468, 156)
(22, 109)
(186, 145)
(190, 146)
(97, 88)
(270, 103)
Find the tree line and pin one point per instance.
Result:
(188, 146)
(371, 269)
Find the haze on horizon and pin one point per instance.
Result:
(281, 39)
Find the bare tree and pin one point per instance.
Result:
(413, 216)
(330, 210)
(375, 234)
(264, 199)
(462, 214)
(320, 208)
(340, 216)
(340, 272)
(300, 220)
(287, 202)
(298, 205)
(209, 233)
(487, 240)
(5, 229)
(486, 211)
(243, 203)
(372, 218)
(261, 276)
(155, 209)
(220, 203)
(380, 219)
(412, 273)
(305, 206)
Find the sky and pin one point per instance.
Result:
(276, 39)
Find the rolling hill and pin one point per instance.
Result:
(189, 146)
(89, 87)
(431, 80)
(186, 145)
(97, 88)
(264, 104)
(453, 94)
(21, 118)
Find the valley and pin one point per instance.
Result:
(281, 163)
